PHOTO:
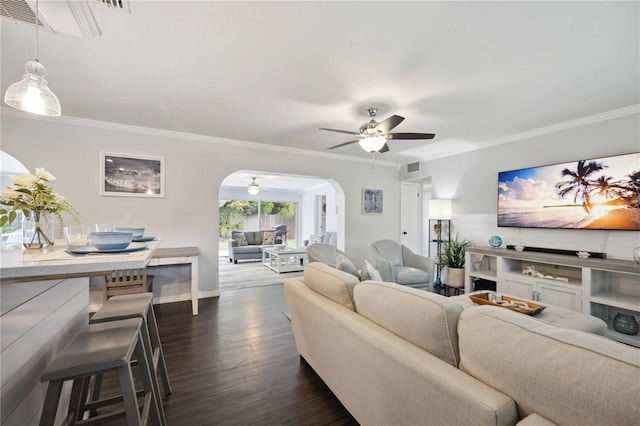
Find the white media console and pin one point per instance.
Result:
(599, 287)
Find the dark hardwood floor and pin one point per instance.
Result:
(236, 363)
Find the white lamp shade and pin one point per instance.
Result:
(440, 209)
(372, 143)
(32, 94)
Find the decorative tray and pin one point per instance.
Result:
(522, 306)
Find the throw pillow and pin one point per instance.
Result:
(346, 265)
(269, 238)
(313, 239)
(369, 272)
(241, 239)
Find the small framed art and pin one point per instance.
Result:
(127, 175)
(372, 201)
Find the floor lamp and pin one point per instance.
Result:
(440, 211)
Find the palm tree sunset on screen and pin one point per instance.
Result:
(589, 194)
(582, 182)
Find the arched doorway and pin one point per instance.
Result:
(301, 192)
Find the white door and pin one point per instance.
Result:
(320, 225)
(410, 213)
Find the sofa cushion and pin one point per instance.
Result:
(369, 272)
(241, 238)
(331, 283)
(247, 249)
(427, 320)
(554, 315)
(565, 376)
(268, 238)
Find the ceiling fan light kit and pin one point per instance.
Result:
(372, 143)
(253, 187)
(32, 94)
(373, 136)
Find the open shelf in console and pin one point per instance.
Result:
(543, 272)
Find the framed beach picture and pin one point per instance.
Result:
(372, 201)
(127, 175)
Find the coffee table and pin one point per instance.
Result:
(284, 260)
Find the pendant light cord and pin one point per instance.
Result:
(37, 25)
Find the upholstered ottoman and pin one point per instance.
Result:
(559, 317)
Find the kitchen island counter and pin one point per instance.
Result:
(44, 303)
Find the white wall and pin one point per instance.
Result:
(471, 180)
(309, 201)
(195, 168)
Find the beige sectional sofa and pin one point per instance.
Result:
(399, 356)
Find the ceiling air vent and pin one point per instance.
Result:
(19, 10)
(122, 5)
(413, 167)
(71, 17)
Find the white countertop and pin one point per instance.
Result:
(55, 261)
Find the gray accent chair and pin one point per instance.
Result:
(398, 264)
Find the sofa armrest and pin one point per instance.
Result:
(232, 243)
(417, 261)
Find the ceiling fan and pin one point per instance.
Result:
(373, 136)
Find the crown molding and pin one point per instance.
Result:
(609, 115)
(96, 124)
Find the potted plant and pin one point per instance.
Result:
(453, 256)
(37, 201)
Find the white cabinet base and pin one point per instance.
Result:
(599, 287)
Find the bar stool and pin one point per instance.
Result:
(138, 306)
(98, 349)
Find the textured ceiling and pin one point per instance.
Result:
(473, 73)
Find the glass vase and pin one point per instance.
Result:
(38, 230)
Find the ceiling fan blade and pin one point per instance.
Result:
(410, 135)
(339, 131)
(343, 144)
(385, 148)
(389, 123)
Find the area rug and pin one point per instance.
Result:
(249, 274)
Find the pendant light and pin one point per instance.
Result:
(31, 94)
(253, 187)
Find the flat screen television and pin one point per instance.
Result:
(599, 193)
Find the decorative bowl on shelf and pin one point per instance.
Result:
(583, 254)
(495, 241)
(625, 324)
(111, 240)
(519, 248)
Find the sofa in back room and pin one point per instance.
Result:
(397, 355)
(255, 242)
